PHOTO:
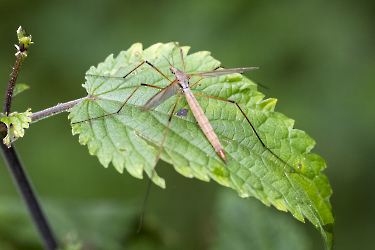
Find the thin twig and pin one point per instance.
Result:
(22, 48)
(61, 107)
(13, 162)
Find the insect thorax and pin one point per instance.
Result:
(181, 77)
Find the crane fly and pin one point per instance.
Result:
(180, 85)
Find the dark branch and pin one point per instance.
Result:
(12, 160)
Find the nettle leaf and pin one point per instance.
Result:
(19, 122)
(131, 138)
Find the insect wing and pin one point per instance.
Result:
(162, 96)
(215, 73)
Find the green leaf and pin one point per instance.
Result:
(131, 138)
(19, 87)
(19, 122)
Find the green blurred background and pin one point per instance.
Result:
(317, 58)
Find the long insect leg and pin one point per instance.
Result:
(153, 169)
(254, 130)
(153, 68)
(142, 84)
(137, 68)
(118, 111)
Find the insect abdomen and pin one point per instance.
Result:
(204, 123)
